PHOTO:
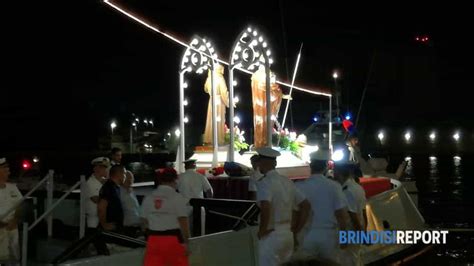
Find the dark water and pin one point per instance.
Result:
(446, 200)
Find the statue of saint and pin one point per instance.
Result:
(222, 101)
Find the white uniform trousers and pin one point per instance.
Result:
(322, 243)
(9, 245)
(277, 247)
(351, 255)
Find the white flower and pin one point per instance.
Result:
(292, 136)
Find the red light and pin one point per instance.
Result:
(26, 165)
(426, 38)
(417, 38)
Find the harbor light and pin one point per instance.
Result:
(456, 136)
(432, 136)
(381, 136)
(113, 125)
(177, 133)
(407, 136)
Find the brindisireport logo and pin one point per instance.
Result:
(393, 237)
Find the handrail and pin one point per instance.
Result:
(124, 237)
(48, 175)
(230, 216)
(47, 212)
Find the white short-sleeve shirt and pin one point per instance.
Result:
(92, 189)
(254, 177)
(282, 194)
(355, 197)
(325, 197)
(192, 184)
(9, 197)
(131, 208)
(163, 208)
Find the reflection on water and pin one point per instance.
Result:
(446, 200)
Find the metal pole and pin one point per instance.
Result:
(330, 125)
(337, 97)
(131, 139)
(291, 88)
(268, 103)
(49, 203)
(215, 144)
(203, 221)
(181, 122)
(24, 245)
(231, 114)
(82, 215)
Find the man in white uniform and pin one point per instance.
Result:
(355, 197)
(279, 202)
(329, 212)
(93, 185)
(192, 184)
(10, 196)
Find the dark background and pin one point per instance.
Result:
(69, 67)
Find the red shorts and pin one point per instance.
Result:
(166, 251)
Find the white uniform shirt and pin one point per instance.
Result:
(355, 197)
(282, 194)
(325, 197)
(192, 184)
(163, 208)
(92, 189)
(254, 177)
(131, 208)
(9, 197)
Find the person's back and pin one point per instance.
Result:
(192, 184)
(281, 191)
(322, 193)
(165, 215)
(356, 199)
(278, 200)
(160, 209)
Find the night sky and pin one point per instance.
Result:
(69, 67)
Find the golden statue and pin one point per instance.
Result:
(259, 105)
(222, 101)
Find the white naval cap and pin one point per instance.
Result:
(104, 161)
(3, 161)
(268, 152)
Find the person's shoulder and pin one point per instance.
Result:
(11, 186)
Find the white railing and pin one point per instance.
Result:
(48, 214)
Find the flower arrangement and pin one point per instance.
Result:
(239, 139)
(286, 140)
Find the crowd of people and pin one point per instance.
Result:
(296, 219)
